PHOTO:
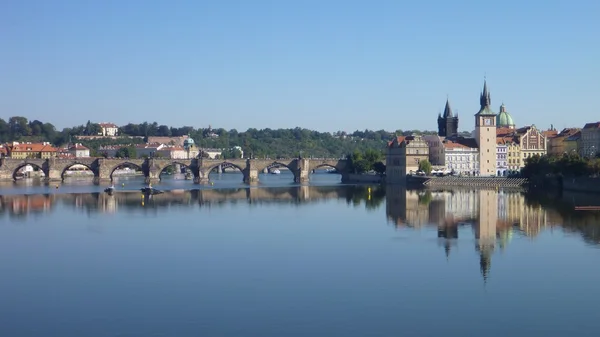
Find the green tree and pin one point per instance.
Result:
(379, 167)
(425, 166)
(126, 152)
(19, 127)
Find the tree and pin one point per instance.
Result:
(19, 127)
(425, 166)
(126, 152)
(379, 167)
(4, 131)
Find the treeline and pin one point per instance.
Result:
(571, 165)
(254, 142)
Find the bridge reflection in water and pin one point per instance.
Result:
(489, 217)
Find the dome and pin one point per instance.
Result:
(188, 141)
(504, 119)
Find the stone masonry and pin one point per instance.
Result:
(103, 169)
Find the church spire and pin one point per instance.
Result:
(447, 110)
(485, 99)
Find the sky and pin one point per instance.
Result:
(326, 65)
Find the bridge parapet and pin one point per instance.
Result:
(103, 168)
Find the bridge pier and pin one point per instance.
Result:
(250, 172)
(220, 169)
(301, 170)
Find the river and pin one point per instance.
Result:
(282, 259)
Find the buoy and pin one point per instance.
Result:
(211, 183)
(56, 186)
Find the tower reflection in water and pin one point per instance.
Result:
(493, 215)
(489, 217)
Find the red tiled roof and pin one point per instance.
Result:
(35, 147)
(108, 125)
(550, 133)
(78, 147)
(504, 131)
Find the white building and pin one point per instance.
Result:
(173, 152)
(461, 156)
(108, 129)
(212, 153)
(501, 157)
(79, 151)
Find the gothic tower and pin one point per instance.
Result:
(447, 123)
(485, 134)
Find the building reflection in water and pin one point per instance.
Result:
(494, 216)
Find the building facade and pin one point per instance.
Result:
(448, 122)
(31, 150)
(501, 158)
(572, 144)
(108, 129)
(460, 157)
(558, 145)
(436, 150)
(590, 140)
(533, 142)
(403, 157)
(485, 134)
(79, 151)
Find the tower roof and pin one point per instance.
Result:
(485, 100)
(448, 110)
(504, 119)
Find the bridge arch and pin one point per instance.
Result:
(172, 164)
(277, 164)
(241, 169)
(124, 164)
(326, 165)
(22, 165)
(68, 166)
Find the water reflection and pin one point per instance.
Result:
(21, 205)
(494, 216)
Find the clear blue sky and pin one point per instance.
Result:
(318, 64)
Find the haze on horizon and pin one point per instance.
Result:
(322, 65)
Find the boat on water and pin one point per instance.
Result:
(110, 190)
(150, 190)
(275, 171)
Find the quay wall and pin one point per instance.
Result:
(485, 182)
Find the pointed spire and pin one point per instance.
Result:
(447, 110)
(485, 98)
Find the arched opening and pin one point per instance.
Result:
(77, 171)
(28, 171)
(276, 168)
(226, 172)
(276, 173)
(176, 171)
(325, 173)
(126, 171)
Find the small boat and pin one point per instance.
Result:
(150, 190)
(275, 171)
(109, 190)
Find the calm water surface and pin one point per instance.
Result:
(297, 261)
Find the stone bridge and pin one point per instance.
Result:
(54, 169)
